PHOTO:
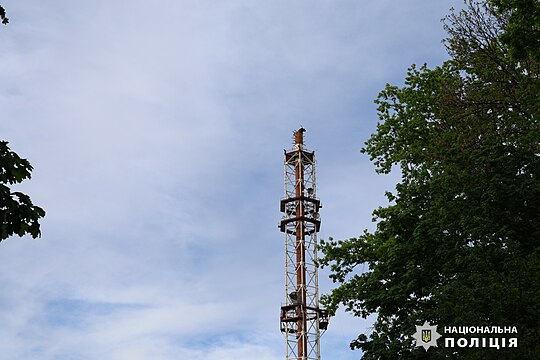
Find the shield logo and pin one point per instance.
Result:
(426, 335)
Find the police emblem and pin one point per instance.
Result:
(426, 335)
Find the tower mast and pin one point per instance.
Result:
(301, 319)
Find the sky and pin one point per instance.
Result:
(156, 131)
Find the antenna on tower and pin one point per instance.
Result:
(301, 320)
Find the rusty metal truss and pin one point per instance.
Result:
(301, 320)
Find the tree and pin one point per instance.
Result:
(17, 213)
(522, 32)
(460, 243)
(3, 16)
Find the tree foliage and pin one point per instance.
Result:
(522, 33)
(3, 16)
(18, 215)
(460, 243)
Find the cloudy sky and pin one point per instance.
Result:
(156, 130)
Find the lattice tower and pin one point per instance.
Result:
(301, 320)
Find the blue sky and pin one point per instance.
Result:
(156, 131)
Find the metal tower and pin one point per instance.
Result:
(301, 319)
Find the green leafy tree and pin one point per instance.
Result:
(460, 243)
(522, 32)
(3, 16)
(17, 213)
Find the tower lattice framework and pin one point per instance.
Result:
(301, 320)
